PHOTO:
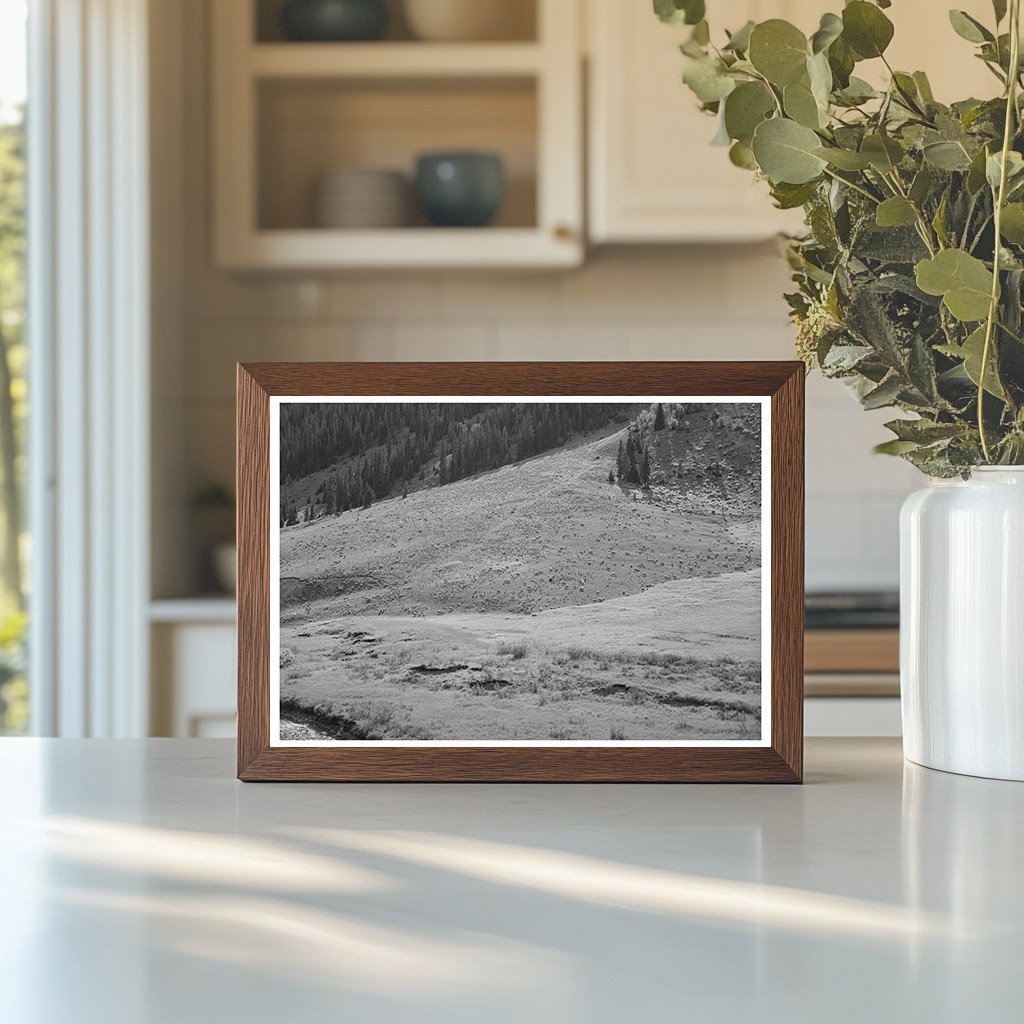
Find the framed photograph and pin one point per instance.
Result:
(520, 572)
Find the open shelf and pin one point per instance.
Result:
(405, 248)
(393, 60)
(286, 114)
(520, 17)
(305, 128)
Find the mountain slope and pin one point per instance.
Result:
(546, 533)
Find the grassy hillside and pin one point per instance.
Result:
(545, 533)
(677, 661)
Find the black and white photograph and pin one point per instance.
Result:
(520, 571)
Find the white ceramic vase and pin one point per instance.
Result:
(962, 624)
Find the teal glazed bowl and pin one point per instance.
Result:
(334, 21)
(460, 190)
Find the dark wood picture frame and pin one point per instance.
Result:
(781, 761)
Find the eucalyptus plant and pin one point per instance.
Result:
(910, 278)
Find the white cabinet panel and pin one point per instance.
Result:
(193, 675)
(653, 175)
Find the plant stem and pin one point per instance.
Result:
(923, 228)
(856, 188)
(993, 309)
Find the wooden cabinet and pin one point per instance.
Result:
(653, 175)
(192, 647)
(285, 113)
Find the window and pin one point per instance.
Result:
(14, 549)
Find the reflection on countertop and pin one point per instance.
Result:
(144, 883)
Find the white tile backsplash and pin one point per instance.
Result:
(704, 303)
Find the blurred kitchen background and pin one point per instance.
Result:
(289, 219)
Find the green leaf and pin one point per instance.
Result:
(967, 304)
(896, 212)
(946, 156)
(971, 352)
(785, 152)
(896, 447)
(939, 220)
(976, 174)
(778, 50)
(924, 87)
(969, 28)
(882, 153)
(858, 91)
(789, 197)
(906, 90)
(999, 7)
(746, 107)
(800, 105)
(921, 185)
(741, 155)
(841, 60)
(844, 159)
(739, 41)
(885, 394)
(695, 11)
(866, 29)
(1012, 225)
(923, 431)
(963, 281)
(820, 76)
(676, 12)
(829, 30)
(708, 80)
(1014, 169)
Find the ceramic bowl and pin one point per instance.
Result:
(334, 20)
(469, 20)
(460, 189)
(358, 197)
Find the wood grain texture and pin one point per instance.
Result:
(252, 485)
(781, 762)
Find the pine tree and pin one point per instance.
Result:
(611, 476)
(632, 459)
(621, 463)
(367, 496)
(645, 468)
(659, 417)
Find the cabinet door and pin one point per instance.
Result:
(653, 175)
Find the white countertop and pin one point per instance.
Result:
(143, 885)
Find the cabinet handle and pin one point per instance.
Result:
(563, 232)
